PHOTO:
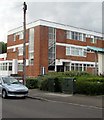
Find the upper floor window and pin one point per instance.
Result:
(84, 37)
(93, 40)
(14, 37)
(75, 36)
(31, 40)
(20, 66)
(31, 45)
(75, 51)
(20, 51)
(19, 35)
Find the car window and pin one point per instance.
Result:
(10, 80)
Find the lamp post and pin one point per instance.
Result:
(24, 43)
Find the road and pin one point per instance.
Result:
(32, 108)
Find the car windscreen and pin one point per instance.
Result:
(10, 80)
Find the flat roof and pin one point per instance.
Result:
(55, 25)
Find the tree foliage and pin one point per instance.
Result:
(3, 47)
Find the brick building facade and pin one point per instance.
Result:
(54, 47)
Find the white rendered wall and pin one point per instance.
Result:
(6, 73)
(100, 63)
(15, 66)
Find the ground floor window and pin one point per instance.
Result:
(5, 66)
(20, 66)
(78, 67)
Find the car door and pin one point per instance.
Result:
(0, 86)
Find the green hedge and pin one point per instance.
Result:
(32, 83)
(52, 84)
(55, 82)
(89, 87)
(91, 78)
(68, 74)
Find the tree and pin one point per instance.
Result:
(3, 47)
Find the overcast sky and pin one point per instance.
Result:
(83, 14)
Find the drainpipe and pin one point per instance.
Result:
(95, 63)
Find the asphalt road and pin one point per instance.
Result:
(31, 108)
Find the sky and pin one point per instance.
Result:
(83, 13)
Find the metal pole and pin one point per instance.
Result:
(95, 63)
(24, 44)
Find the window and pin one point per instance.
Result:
(84, 52)
(4, 66)
(72, 67)
(20, 51)
(76, 67)
(74, 35)
(85, 67)
(67, 50)
(20, 35)
(75, 51)
(31, 46)
(84, 37)
(14, 36)
(80, 36)
(20, 66)
(80, 67)
(31, 58)
(93, 40)
(72, 51)
(68, 36)
(10, 66)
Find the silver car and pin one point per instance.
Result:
(10, 86)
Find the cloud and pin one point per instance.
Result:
(80, 14)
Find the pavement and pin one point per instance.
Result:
(76, 99)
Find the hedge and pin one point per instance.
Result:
(52, 84)
(89, 87)
(32, 83)
(68, 74)
(55, 82)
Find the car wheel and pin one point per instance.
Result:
(4, 94)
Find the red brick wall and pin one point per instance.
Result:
(11, 55)
(61, 50)
(60, 36)
(11, 42)
(37, 51)
(44, 47)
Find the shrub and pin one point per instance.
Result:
(68, 74)
(55, 82)
(89, 87)
(32, 83)
(91, 78)
(43, 85)
(52, 84)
